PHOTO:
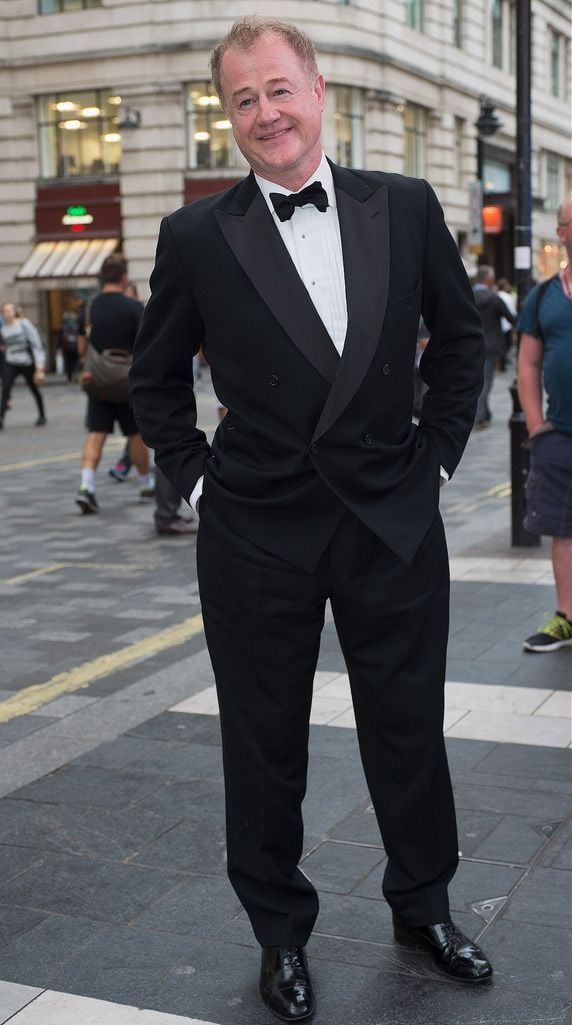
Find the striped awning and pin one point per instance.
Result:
(78, 258)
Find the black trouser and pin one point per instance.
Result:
(263, 620)
(71, 360)
(167, 500)
(9, 375)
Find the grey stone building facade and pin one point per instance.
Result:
(108, 122)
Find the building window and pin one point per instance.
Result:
(458, 136)
(79, 134)
(497, 32)
(53, 6)
(554, 63)
(349, 122)
(415, 14)
(553, 181)
(210, 142)
(497, 176)
(502, 34)
(458, 22)
(559, 53)
(415, 127)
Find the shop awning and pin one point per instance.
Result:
(78, 258)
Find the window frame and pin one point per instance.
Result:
(55, 158)
(60, 6)
(558, 48)
(194, 117)
(458, 19)
(458, 150)
(415, 15)
(415, 140)
(354, 118)
(497, 33)
(554, 180)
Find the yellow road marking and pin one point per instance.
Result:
(469, 505)
(66, 457)
(35, 573)
(63, 457)
(54, 567)
(500, 489)
(37, 694)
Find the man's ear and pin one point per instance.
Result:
(320, 90)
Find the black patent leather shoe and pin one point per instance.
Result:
(285, 985)
(453, 952)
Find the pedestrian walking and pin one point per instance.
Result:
(545, 358)
(304, 285)
(24, 356)
(493, 311)
(114, 321)
(168, 522)
(504, 290)
(69, 334)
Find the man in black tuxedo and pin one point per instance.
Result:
(317, 486)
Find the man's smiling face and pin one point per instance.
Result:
(275, 105)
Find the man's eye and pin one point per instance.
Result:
(245, 103)
(280, 92)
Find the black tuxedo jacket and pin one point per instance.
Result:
(309, 434)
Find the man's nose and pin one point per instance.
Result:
(267, 110)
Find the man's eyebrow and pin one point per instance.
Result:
(250, 88)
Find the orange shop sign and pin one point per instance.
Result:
(492, 220)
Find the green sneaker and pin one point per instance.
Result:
(555, 633)
(86, 501)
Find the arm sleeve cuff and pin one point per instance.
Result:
(196, 493)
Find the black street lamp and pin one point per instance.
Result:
(519, 454)
(486, 124)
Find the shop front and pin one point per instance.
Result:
(77, 226)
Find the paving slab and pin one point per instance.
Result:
(14, 997)
(99, 891)
(113, 834)
(65, 1009)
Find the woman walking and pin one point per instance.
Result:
(23, 355)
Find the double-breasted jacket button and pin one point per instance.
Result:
(385, 369)
(273, 380)
(368, 439)
(314, 449)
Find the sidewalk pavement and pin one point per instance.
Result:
(113, 893)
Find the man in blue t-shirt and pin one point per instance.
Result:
(545, 352)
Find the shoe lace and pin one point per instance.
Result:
(294, 961)
(557, 627)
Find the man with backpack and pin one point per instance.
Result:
(113, 322)
(545, 354)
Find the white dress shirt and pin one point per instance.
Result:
(313, 240)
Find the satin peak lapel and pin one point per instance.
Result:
(364, 226)
(263, 256)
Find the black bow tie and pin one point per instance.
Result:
(285, 205)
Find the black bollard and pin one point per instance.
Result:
(519, 461)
